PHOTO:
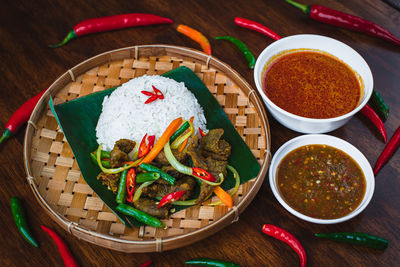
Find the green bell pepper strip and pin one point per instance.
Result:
(147, 176)
(234, 189)
(242, 47)
(164, 175)
(361, 239)
(18, 213)
(116, 170)
(211, 262)
(138, 192)
(179, 131)
(105, 163)
(121, 194)
(379, 104)
(140, 216)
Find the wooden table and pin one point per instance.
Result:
(28, 66)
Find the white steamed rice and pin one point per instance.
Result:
(124, 114)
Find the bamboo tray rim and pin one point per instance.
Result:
(82, 232)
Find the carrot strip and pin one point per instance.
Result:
(162, 140)
(196, 36)
(224, 196)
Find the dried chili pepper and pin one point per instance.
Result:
(171, 197)
(130, 184)
(379, 104)
(196, 36)
(255, 26)
(144, 148)
(211, 262)
(20, 116)
(18, 213)
(388, 151)
(110, 23)
(242, 47)
(288, 238)
(361, 239)
(370, 114)
(66, 254)
(140, 216)
(344, 20)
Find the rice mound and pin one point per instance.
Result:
(124, 114)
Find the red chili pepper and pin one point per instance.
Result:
(344, 20)
(171, 197)
(130, 185)
(144, 148)
(151, 99)
(20, 116)
(202, 133)
(147, 93)
(255, 26)
(68, 259)
(110, 23)
(146, 264)
(370, 114)
(199, 172)
(158, 92)
(388, 151)
(288, 238)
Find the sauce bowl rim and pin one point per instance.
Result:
(309, 139)
(258, 70)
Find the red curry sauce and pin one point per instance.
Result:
(312, 84)
(320, 181)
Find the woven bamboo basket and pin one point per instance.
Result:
(54, 176)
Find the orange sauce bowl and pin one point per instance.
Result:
(308, 43)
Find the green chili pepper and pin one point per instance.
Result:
(140, 216)
(164, 175)
(179, 131)
(379, 104)
(361, 239)
(105, 163)
(147, 176)
(20, 220)
(242, 47)
(211, 262)
(121, 194)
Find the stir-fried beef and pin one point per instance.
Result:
(150, 207)
(162, 160)
(120, 152)
(215, 167)
(195, 154)
(110, 180)
(156, 190)
(125, 145)
(212, 145)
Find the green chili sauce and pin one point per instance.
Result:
(321, 182)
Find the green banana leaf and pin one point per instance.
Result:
(78, 119)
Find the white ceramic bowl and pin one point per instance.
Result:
(316, 42)
(338, 143)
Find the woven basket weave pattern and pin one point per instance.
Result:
(57, 174)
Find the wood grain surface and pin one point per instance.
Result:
(28, 66)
